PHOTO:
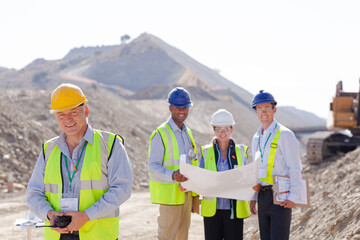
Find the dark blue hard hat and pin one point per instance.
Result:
(263, 97)
(179, 97)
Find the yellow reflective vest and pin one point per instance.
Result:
(208, 204)
(161, 191)
(93, 181)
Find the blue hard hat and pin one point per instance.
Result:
(263, 97)
(179, 97)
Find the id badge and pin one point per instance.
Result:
(191, 154)
(183, 158)
(69, 205)
(262, 172)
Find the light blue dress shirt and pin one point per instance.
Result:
(120, 177)
(155, 165)
(287, 159)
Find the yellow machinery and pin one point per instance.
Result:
(344, 116)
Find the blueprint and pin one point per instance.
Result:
(234, 184)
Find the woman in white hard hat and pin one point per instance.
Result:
(223, 218)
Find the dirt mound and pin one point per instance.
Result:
(21, 133)
(335, 202)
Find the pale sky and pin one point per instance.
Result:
(297, 50)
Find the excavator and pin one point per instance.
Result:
(343, 125)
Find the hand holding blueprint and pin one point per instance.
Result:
(234, 184)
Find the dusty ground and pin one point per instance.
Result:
(138, 219)
(334, 212)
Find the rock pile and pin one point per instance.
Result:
(21, 136)
(25, 124)
(335, 202)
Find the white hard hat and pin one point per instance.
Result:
(222, 117)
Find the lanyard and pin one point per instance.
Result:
(75, 167)
(262, 153)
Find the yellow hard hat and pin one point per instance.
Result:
(66, 96)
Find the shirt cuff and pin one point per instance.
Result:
(292, 197)
(255, 197)
(92, 213)
(44, 213)
(169, 174)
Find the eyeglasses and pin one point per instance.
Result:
(222, 129)
(264, 109)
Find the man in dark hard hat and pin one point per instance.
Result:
(83, 173)
(171, 141)
(277, 150)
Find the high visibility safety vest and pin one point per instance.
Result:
(208, 204)
(93, 184)
(168, 192)
(271, 158)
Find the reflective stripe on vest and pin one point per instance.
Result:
(208, 204)
(93, 184)
(168, 192)
(271, 158)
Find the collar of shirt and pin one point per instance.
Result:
(61, 141)
(175, 127)
(268, 130)
(222, 165)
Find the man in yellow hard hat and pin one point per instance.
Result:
(83, 173)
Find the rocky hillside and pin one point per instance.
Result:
(25, 123)
(145, 68)
(127, 86)
(127, 69)
(2, 70)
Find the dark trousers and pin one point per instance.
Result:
(274, 220)
(70, 236)
(220, 226)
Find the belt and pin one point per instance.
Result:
(265, 188)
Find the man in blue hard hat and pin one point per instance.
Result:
(277, 150)
(169, 143)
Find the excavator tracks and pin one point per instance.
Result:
(322, 145)
(314, 150)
